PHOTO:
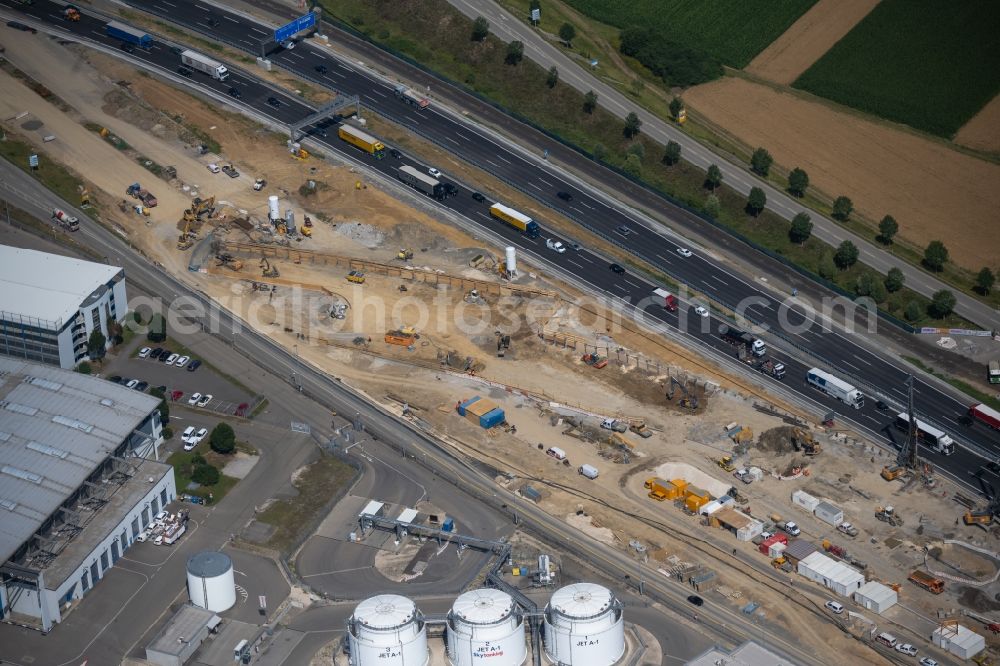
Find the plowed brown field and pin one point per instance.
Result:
(983, 131)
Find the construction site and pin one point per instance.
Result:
(633, 439)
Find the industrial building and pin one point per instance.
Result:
(79, 482)
(750, 653)
(875, 596)
(50, 304)
(182, 636)
(826, 571)
(960, 641)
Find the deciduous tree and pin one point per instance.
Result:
(672, 153)
(553, 77)
(480, 29)
(935, 256)
(223, 438)
(566, 33)
(846, 255)
(515, 52)
(713, 177)
(942, 303)
(887, 229)
(801, 228)
(632, 125)
(842, 208)
(798, 181)
(894, 280)
(913, 311)
(756, 201)
(676, 104)
(590, 101)
(827, 268)
(985, 281)
(761, 161)
(96, 345)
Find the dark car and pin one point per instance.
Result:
(235, 93)
(624, 230)
(321, 69)
(993, 466)
(576, 246)
(141, 386)
(194, 365)
(395, 153)
(318, 131)
(273, 101)
(185, 71)
(126, 47)
(124, 380)
(478, 197)
(160, 389)
(617, 268)
(115, 379)
(156, 353)
(696, 600)
(966, 420)
(212, 21)
(565, 196)
(449, 189)
(881, 406)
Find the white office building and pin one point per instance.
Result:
(50, 304)
(79, 481)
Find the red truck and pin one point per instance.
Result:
(145, 196)
(668, 300)
(987, 415)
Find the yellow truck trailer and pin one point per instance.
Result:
(359, 139)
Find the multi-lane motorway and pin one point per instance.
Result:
(846, 355)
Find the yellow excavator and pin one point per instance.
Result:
(184, 241)
(267, 270)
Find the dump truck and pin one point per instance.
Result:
(359, 139)
(71, 13)
(410, 97)
(403, 337)
(356, 277)
(666, 299)
(128, 34)
(65, 220)
(430, 186)
(519, 221)
(205, 65)
(835, 387)
(926, 581)
(145, 196)
(747, 341)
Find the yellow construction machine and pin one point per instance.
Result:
(726, 463)
(893, 472)
(184, 241)
(356, 277)
(267, 270)
(804, 442)
(404, 254)
(229, 261)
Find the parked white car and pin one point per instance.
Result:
(205, 399)
(193, 400)
(214, 168)
(792, 529)
(198, 436)
(132, 383)
(172, 359)
(555, 246)
(144, 352)
(182, 361)
(701, 311)
(907, 649)
(834, 607)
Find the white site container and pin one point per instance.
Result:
(803, 499)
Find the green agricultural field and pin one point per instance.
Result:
(925, 63)
(734, 31)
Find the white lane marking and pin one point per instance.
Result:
(229, 18)
(574, 263)
(501, 157)
(380, 94)
(586, 258)
(169, 4)
(546, 182)
(866, 362)
(259, 30)
(295, 55)
(718, 279)
(637, 286)
(370, 97)
(493, 163)
(448, 138)
(463, 136)
(204, 9)
(336, 73)
(535, 186)
(662, 258)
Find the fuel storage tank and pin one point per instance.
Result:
(485, 628)
(387, 630)
(584, 626)
(210, 581)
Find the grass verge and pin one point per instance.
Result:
(316, 487)
(181, 462)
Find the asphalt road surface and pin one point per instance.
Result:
(721, 622)
(849, 356)
(736, 176)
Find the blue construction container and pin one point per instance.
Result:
(465, 403)
(448, 525)
(492, 418)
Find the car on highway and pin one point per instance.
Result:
(927, 661)
(145, 352)
(235, 93)
(274, 102)
(907, 649)
(185, 71)
(576, 246)
(172, 359)
(449, 189)
(126, 47)
(684, 252)
(321, 69)
(194, 365)
(701, 311)
(395, 153)
(434, 172)
(212, 22)
(132, 383)
(834, 607)
(624, 229)
(17, 25)
(193, 400)
(182, 361)
(288, 44)
(882, 406)
(696, 600)
(205, 399)
(478, 197)
(617, 269)
(565, 196)
(555, 246)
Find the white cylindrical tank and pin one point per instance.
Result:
(510, 261)
(387, 630)
(273, 212)
(485, 628)
(584, 626)
(210, 581)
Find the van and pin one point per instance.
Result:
(834, 607)
(886, 639)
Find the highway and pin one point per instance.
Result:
(719, 621)
(847, 356)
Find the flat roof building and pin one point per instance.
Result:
(50, 304)
(78, 483)
(750, 653)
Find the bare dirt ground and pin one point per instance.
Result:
(934, 192)
(540, 386)
(808, 39)
(983, 131)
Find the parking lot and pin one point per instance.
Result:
(227, 397)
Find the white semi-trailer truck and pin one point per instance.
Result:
(204, 64)
(835, 388)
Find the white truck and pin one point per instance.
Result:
(835, 388)
(65, 220)
(204, 64)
